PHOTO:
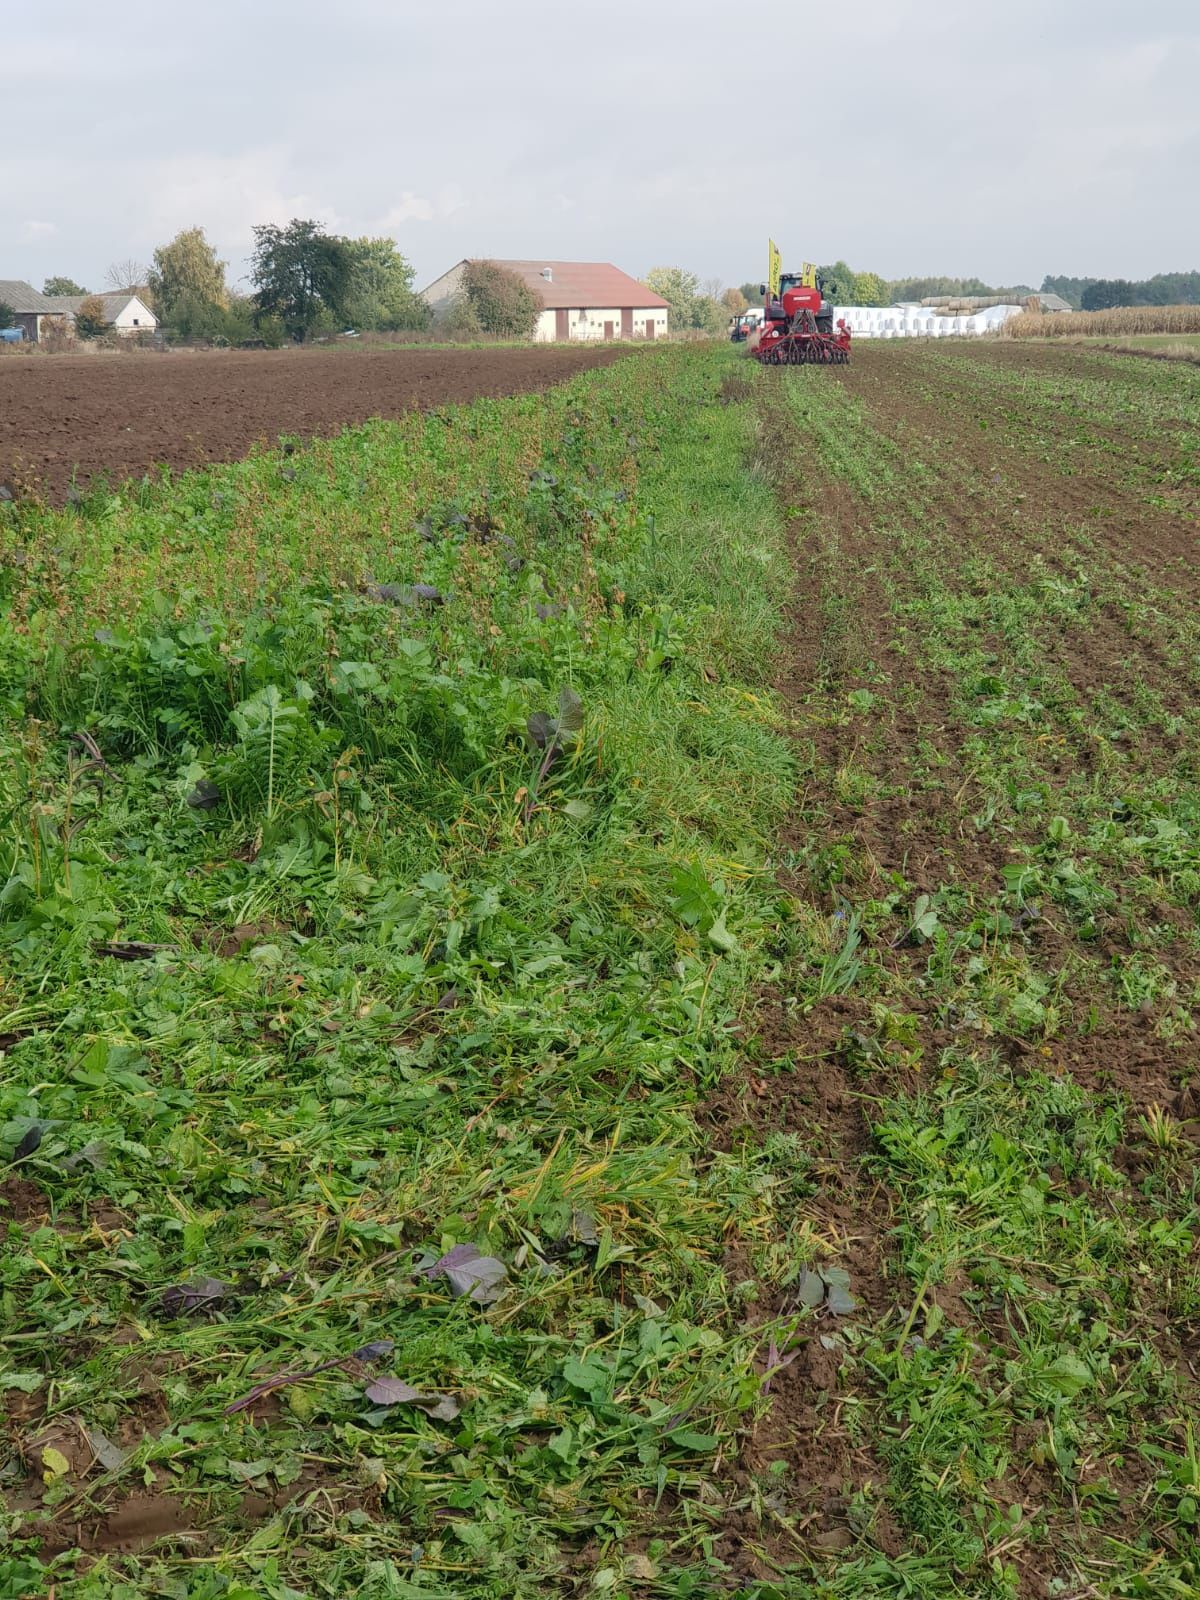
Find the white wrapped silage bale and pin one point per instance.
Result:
(997, 316)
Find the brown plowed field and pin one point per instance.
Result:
(117, 417)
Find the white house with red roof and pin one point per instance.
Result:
(580, 299)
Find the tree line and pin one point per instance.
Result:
(306, 282)
(1102, 294)
(843, 286)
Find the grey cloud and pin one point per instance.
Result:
(1005, 140)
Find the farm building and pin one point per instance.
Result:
(32, 308)
(124, 313)
(580, 299)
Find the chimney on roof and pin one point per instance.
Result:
(548, 274)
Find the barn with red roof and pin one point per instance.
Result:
(580, 299)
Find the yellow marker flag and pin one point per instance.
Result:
(808, 275)
(774, 268)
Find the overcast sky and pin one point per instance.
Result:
(1003, 140)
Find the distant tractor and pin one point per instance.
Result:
(798, 327)
(744, 324)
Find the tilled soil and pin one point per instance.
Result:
(80, 418)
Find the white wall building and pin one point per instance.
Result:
(580, 299)
(123, 312)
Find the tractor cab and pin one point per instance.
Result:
(797, 296)
(794, 297)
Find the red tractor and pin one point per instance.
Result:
(744, 324)
(798, 328)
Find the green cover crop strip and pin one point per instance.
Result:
(383, 876)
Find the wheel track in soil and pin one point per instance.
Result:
(804, 1425)
(838, 555)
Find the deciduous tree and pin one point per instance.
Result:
(193, 317)
(380, 292)
(710, 315)
(8, 316)
(838, 283)
(128, 276)
(299, 273)
(187, 270)
(923, 288)
(460, 320)
(239, 322)
(1172, 289)
(503, 303)
(869, 289)
(680, 289)
(1070, 289)
(59, 288)
(690, 306)
(1163, 289)
(734, 301)
(1106, 293)
(90, 321)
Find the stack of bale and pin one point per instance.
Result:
(964, 305)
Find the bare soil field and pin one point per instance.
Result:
(81, 418)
